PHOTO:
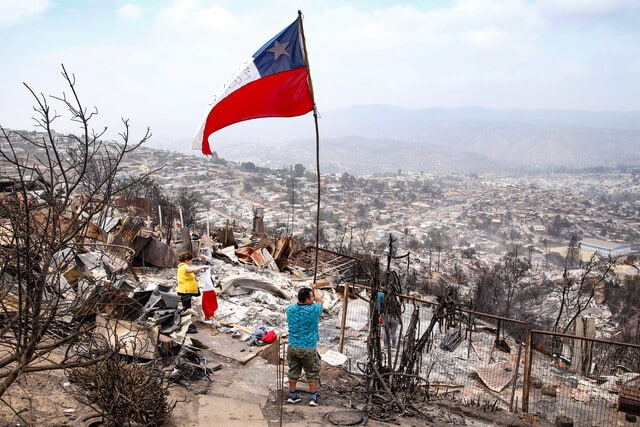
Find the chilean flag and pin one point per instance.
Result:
(274, 82)
(209, 297)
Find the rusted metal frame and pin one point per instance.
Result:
(464, 310)
(341, 268)
(125, 252)
(332, 258)
(325, 264)
(331, 269)
(126, 249)
(307, 251)
(345, 265)
(598, 340)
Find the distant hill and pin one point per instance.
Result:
(378, 138)
(360, 156)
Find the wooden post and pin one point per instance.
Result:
(343, 321)
(577, 346)
(515, 376)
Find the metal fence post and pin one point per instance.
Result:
(527, 373)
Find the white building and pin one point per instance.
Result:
(603, 247)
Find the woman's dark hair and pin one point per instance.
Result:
(185, 256)
(304, 294)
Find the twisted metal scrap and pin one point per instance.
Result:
(394, 383)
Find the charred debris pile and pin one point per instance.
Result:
(108, 291)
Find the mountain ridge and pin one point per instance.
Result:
(381, 138)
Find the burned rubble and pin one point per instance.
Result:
(123, 280)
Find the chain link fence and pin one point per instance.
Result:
(492, 362)
(590, 381)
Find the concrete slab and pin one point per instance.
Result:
(216, 410)
(252, 382)
(227, 346)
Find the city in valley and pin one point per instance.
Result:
(455, 227)
(447, 229)
(496, 254)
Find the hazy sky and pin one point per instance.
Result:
(159, 62)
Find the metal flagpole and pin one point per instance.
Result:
(293, 200)
(315, 118)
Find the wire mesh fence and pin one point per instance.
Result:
(492, 362)
(589, 381)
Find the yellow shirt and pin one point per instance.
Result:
(187, 283)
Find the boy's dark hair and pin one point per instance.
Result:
(304, 294)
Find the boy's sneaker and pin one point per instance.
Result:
(313, 402)
(294, 399)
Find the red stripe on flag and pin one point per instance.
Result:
(209, 304)
(285, 94)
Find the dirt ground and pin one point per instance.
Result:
(255, 384)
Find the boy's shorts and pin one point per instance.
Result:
(303, 358)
